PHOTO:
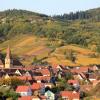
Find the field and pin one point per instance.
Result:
(30, 46)
(26, 45)
(82, 56)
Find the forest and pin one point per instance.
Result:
(81, 28)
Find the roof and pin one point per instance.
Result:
(42, 78)
(92, 76)
(37, 86)
(49, 92)
(73, 82)
(56, 65)
(70, 94)
(80, 69)
(25, 98)
(25, 78)
(45, 72)
(22, 88)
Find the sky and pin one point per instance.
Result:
(50, 7)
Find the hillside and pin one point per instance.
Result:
(33, 35)
(28, 47)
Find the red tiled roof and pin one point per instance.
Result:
(42, 78)
(80, 70)
(25, 77)
(27, 68)
(37, 86)
(45, 72)
(25, 98)
(70, 94)
(73, 82)
(22, 88)
(56, 65)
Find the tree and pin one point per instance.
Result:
(70, 54)
(12, 94)
(12, 81)
(68, 76)
(69, 87)
(98, 48)
(15, 82)
(35, 60)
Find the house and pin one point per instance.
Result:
(38, 87)
(48, 85)
(25, 78)
(18, 72)
(75, 83)
(54, 71)
(94, 68)
(42, 97)
(59, 67)
(28, 73)
(50, 95)
(24, 90)
(7, 76)
(45, 72)
(79, 76)
(25, 98)
(92, 77)
(35, 98)
(69, 95)
(40, 79)
(80, 69)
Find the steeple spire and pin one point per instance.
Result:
(8, 53)
(8, 60)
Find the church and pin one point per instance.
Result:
(9, 62)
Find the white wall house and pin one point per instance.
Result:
(24, 90)
(50, 95)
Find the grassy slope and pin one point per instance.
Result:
(27, 45)
(82, 56)
(31, 45)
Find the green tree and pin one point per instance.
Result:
(70, 54)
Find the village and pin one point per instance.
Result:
(55, 82)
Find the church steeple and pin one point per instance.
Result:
(8, 52)
(8, 60)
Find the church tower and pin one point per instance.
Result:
(1, 63)
(8, 61)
